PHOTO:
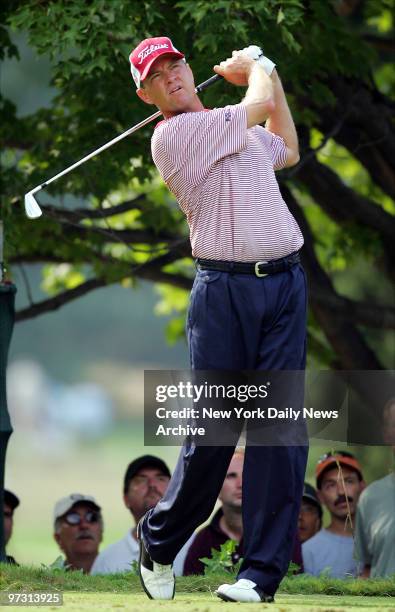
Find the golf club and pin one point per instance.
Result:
(32, 208)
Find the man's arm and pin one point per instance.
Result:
(259, 99)
(240, 69)
(280, 121)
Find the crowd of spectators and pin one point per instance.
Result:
(345, 528)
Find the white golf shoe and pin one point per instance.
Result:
(157, 580)
(245, 591)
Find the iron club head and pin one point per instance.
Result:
(32, 208)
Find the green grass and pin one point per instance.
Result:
(208, 602)
(196, 593)
(21, 578)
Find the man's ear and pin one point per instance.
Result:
(143, 95)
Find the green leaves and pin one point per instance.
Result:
(222, 559)
(315, 50)
(61, 277)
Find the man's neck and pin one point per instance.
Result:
(194, 107)
(83, 562)
(231, 523)
(341, 526)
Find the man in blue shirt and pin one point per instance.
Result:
(339, 483)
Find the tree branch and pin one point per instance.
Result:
(17, 144)
(71, 232)
(346, 340)
(382, 43)
(364, 313)
(62, 214)
(59, 300)
(151, 270)
(343, 203)
(372, 142)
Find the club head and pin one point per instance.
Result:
(32, 208)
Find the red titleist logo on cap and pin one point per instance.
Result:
(144, 55)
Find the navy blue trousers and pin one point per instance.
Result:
(240, 322)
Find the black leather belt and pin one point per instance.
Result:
(258, 268)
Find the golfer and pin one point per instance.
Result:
(248, 302)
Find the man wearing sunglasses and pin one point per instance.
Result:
(339, 484)
(78, 529)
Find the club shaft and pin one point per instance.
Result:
(207, 83)
(103, 148)
(136, 127)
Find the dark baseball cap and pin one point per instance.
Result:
(142, 462)
(10, 499)
(310, 495)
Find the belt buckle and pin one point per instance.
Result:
(257, 273)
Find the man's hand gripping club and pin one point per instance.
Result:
(250, 68)
(265, 98)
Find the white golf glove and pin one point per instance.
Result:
(256, 53)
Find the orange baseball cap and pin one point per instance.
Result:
(330, 460)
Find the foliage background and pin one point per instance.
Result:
(110, 229)
(335, 61)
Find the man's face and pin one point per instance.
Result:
(333, 494)
(8, 522)
(231, 492)
(309, 521)
(145, 489)
(81, 538)
(169, 85)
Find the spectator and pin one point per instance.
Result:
(10, 503)
(227, 521)
(145, 482)
(388, 426)
(78, 528)
(375, 528)
(310, 514)
(331, 549)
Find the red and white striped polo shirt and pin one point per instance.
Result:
(222, 175)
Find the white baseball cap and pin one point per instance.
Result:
(66, 503)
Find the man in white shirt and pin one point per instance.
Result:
(78, 530)
(145, 483)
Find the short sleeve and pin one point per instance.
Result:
(307, 556)
(192, 143)
(276, 147)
